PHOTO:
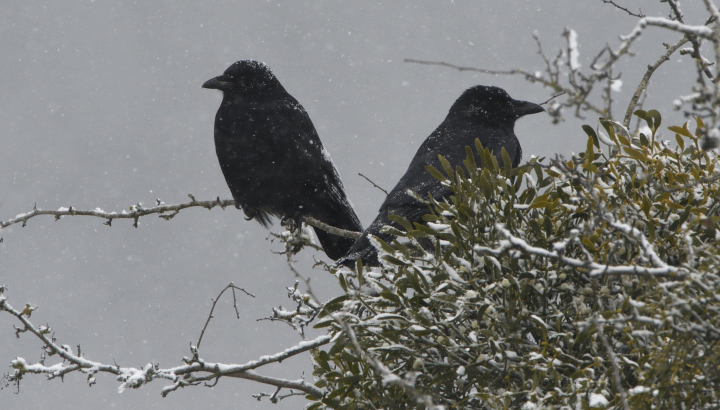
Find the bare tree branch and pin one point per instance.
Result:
(577, 94)
(374, 184)
(644, 82)
(137, 211)
(136, 377)
(581, 86)
(552, 98)
(461, 68)
(276, 397)
(331, 229)
(696, 44)
(212, 309)
(640, 15)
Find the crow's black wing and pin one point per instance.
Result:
(310, 175)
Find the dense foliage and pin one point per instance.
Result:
(589, 282)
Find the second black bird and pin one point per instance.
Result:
(485, 113)
(272, 158)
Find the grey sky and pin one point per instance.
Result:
(102, 107)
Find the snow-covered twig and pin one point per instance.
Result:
(137, 211)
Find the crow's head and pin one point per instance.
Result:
(246, 77)
(492, 104)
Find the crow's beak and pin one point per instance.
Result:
(521, 108)
(221, 82)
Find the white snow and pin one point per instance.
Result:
(638, 390)
(598, 400)
(529, 406)
(573, 50)
(453, 273)
(644, 129)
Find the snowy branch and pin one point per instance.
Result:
(660, 269)
(181, 376)
(579, 86)
(166, 212)
(699, 31)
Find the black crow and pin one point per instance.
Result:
(272, 158)
(485, 113)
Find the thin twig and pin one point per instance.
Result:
(374, 184)
(639, 15)
(643, 83)
(552, 98)
(613, 361)
(577, 96)
(276, 396)
(461, 68)
(702, 180)
(212, 309)
(695, 42)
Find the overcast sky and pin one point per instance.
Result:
(102, 107)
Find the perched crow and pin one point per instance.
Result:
(272, 158)
(485, 113)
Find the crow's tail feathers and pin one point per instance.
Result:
(337, 246)
(362, 249)
(334, 246)
(262, 216)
